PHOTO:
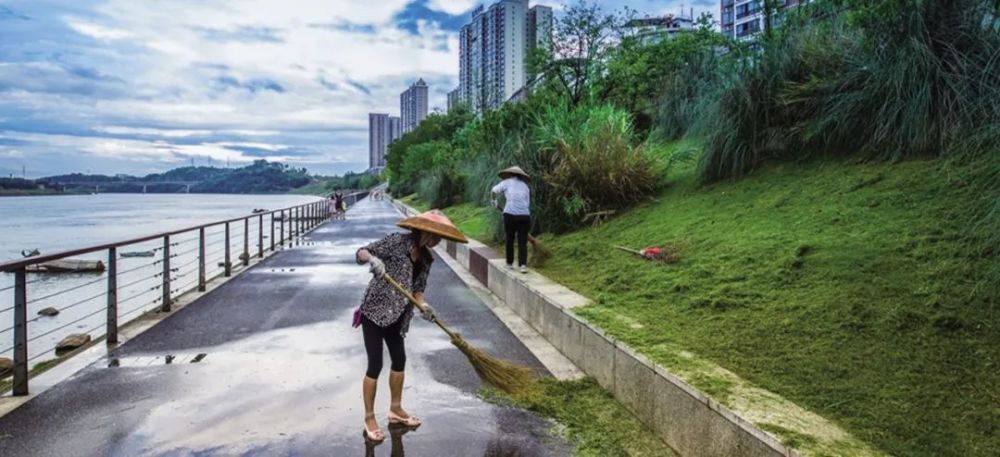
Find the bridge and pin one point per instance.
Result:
(268, 364)
(145, 184)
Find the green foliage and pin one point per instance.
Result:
(640, 74)
(598, 164)
(259, 177)
(404, 172)
(890, 79)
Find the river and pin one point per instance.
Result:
(58, 223)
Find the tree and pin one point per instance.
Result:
(583, 37)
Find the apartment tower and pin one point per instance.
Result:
(413, 106)
(382, 131)
(493, 48)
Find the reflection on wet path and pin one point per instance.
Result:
(280, 372)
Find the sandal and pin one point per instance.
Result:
(410, 421)
(375, 436)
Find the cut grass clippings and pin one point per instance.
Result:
(594, 423)
(855, 297)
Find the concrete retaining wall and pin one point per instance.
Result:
(687, 420)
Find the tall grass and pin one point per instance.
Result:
(600, 166)
(888, 79)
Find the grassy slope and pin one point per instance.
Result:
(858, 305)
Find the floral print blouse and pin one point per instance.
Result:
(382, 304)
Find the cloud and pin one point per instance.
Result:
(418, 11)
(6, 13)
(251, 85)
(245, 34)
(360, 87)
(117, 86)
(98, 31)
(345, 26)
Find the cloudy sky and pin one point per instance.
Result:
(140, 86)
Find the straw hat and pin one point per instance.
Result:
(434, 221)
(514, 171)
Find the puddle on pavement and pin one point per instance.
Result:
(146, 361)
(298, 390)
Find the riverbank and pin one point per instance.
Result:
(846, 288)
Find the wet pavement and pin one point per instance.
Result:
(268, 364)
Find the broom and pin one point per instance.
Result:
(506, 376)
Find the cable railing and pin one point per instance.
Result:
(170, 265)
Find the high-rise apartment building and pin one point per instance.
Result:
(413, 106)
(379, 131)
(454, 98)
(651, 30)
(493, 48)
(395, 128)
(744, 19)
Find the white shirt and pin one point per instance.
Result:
(517, 194)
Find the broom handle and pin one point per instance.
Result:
(639, 253)
(399, 287)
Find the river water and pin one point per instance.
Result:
(58, 223)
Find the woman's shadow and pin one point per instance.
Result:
(396, 432)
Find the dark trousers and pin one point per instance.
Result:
(518, 225)
(374, 336)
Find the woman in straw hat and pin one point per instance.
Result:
(516, 213)
(385, 314)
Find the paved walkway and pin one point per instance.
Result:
(282, 370)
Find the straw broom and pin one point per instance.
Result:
(506, 376)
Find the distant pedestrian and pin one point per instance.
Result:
(384, 315)
(516, 213)
(340, 205)
(332, 206)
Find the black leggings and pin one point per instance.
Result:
(374, 335)
(520, 225)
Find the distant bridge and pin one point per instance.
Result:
(145, 184)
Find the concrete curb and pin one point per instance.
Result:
(687, 420)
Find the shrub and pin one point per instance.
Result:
(599, 166)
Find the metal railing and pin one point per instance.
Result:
(182, 260)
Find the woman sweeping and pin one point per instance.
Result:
(516, 213)
(385, 314)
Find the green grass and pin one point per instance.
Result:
(846, 288)
(415, 202)
(473, 221)
(592, 421)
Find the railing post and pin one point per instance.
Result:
(282, 229)
(166, 274)
(111, 334)
(201, 259)
(228, 261)
(246, 242)
(20, 333)
(298, 225)
(260, 236)
(272, 232)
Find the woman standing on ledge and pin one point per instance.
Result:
(386, 314)
(516, 213)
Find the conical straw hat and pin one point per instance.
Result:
(515, 170)
(434, 221)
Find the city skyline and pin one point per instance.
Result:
(116, 87)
